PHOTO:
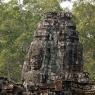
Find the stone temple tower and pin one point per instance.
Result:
(55, 57)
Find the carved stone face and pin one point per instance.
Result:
(36, 59)
(35, 55)
(35, 63)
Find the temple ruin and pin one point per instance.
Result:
(54, 63)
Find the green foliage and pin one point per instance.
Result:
(42, 6)
(85, 16)
(17, 26)
(16, 29)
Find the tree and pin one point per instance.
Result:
(17, 26)
(85, 16)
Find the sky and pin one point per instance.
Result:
(5, 1)
(67, 4)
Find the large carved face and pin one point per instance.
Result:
(36, 62)
(36, 57)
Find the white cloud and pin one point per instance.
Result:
(5, 1)
(20, 2)
(67, 4)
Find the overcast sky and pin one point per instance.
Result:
(67, 4)
(64, 5)
(6, 1)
